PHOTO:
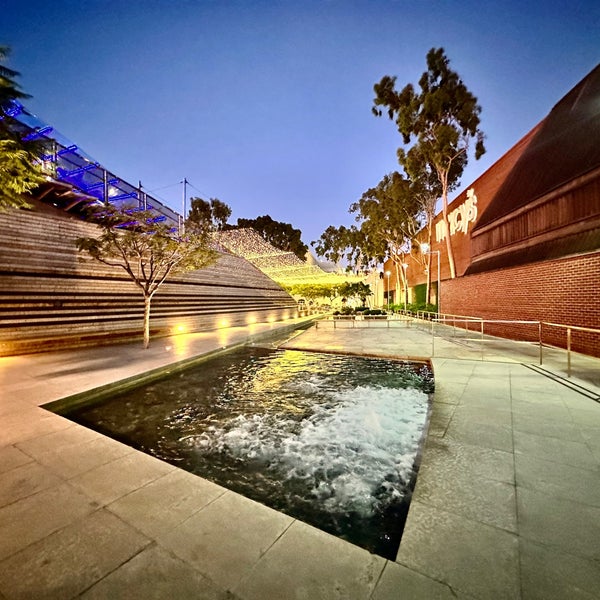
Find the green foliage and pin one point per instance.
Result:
(19, 171)
(212, 213)
(354, 290)
(442, 119)
(9, 88)
(390, 215)
(148, 252)
(19, 174)
(311, 291)
(349, 244)
(281, 235)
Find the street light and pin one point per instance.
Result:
(387, 274)
(425, 250)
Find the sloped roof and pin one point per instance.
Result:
(566, 146)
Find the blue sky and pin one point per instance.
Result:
(267, 105)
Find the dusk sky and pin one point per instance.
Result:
(266, 105)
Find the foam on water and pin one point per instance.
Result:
(353, 454)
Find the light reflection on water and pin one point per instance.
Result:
(328, 439)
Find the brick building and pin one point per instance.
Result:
(526, 234)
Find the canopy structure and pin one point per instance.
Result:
(74, 177)
(283, 267)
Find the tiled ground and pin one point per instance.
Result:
(506, 503)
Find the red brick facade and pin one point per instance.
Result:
(564, 291)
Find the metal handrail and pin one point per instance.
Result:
(453, 320)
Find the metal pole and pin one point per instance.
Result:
(540, 339)
(481, 339)
(184, 199)
(568, 352)
(105, 182)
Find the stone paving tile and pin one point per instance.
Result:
(550, 575)
(454, 458)
(476, 498)
(482, 415)
(24, 481)
(306, 563)
(226, 539)
(33, 518)
(154, 574)
(112, 480)
(398, 582)
(590, 417)
(495, 437)
(556, 429)
(31, 422)
(564, 525)
(470, 557)
(58, 440)
(556, 450)
(161, 505)
(558, 480)
(81, 458)
(553, 413)
(70, 560)
(11, 457)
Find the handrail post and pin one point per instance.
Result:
(568, 352)
(540, 340)
(481, 342)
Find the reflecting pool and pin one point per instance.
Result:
(331, 440)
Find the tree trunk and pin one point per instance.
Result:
(447, 231)
(147, 300)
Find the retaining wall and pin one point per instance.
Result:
(52, 296)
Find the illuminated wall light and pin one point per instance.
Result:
(271, 319)
(251, 320)
(180, 329)
(224, 323)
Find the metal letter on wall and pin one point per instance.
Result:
(459, 218)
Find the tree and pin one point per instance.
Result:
(355, 290)
(20, 171)
(312, 291)
(211, 212)
(348, 244)
(442, 118)
(281, 235)
(9, 89)
(18, 175)
(390, 215)
(146, 250)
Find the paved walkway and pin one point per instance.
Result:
(507, 502)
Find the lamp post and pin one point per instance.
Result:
(387, 274)
(425, 250)
(404, 267)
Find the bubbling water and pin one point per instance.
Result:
(354, 453)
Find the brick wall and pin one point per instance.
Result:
(564, 291)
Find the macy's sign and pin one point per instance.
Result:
(459, 218)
